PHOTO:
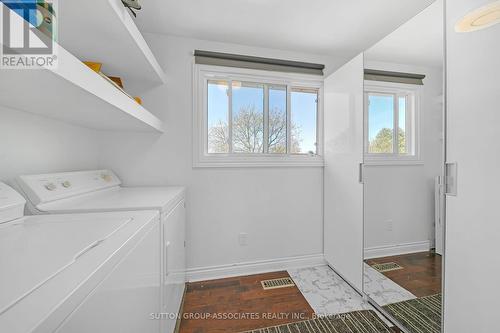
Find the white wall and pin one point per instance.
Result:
(472, 271)
(279, 208)
(404, 194)
(33, 144)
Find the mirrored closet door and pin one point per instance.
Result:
(402, 172)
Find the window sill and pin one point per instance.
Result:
(258, 162)
(389, 162)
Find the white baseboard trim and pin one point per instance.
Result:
(398, 249)
(253, 267)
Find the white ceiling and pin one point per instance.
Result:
(417, 42)
(335, 27)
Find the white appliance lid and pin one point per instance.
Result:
(118, 199)
(35, 249)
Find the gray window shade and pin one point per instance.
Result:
(243, 61)
(408, 78)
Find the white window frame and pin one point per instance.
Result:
(412, 123)
(201, 158)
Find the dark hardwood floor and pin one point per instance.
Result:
(242, 297)
(421, 274)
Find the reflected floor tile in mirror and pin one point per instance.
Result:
(382, 289)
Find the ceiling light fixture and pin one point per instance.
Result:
(481, 18)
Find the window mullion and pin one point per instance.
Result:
(230, 115)
(367, 123)
(395, 132)
(266, 120)
(408, 125)
(288, 119)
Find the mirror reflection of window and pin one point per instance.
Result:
(403, 173)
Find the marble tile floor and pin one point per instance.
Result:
(327, 293)
(382, 289)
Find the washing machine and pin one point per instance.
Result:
(102, 191)
(75, 273)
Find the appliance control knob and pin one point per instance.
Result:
(50, 186)
(66, 184)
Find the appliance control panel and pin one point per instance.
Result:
(56, 186)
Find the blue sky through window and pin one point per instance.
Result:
(217, 103)
(380, 114)
(277, 98)
(277, 110)
(304, 112)
(246, 96)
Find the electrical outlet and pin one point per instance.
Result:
(243, 239)
(389, 225)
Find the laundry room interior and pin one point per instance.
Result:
(250, 166)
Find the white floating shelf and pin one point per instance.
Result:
(75, 94)
(103, 31)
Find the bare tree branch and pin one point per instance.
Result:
(248, 132)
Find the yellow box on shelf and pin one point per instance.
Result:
(115, 81)
(95, 66)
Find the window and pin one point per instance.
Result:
(247, 117)
(256, 118)
(277, 120)
(303, 120)
(391, 112)
(218, 121)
